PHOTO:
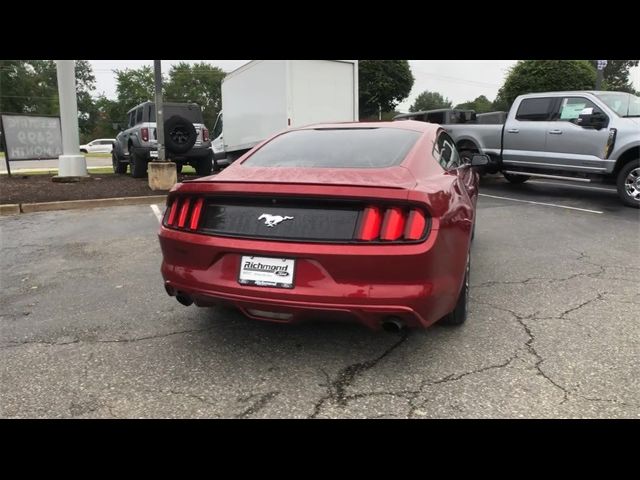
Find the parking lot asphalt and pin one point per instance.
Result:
(554, 327)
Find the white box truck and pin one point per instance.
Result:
(264, 97)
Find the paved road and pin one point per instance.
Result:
(554, 330)
(50, 164)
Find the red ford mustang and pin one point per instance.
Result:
(370, 222)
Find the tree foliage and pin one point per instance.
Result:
(481, 105)
(616, 75)
(31, 86)
(382, 84)
(529, 76)
(429, 101)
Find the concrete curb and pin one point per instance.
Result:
(14, 209)
(9, 209)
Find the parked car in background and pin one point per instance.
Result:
(366, 222)
(99, 145)
(186, 139)
(584, 136)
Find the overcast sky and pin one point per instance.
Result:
(458, 80)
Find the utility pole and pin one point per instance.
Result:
(71, 164)
(601, 66)
(157, 73)
(162, 173)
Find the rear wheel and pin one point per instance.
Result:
(138, 164)
(459, 314)
(628, 184)
(118, 166)
(204, 165)
(514, 178)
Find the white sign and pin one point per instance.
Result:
(29, 137)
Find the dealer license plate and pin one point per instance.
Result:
(266, 271)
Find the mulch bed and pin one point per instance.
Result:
(40, 188)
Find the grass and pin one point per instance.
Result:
(187, 169)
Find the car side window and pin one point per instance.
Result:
(571, 107)
(535, 109)
(139, 116)
(445, 152)
(132, 119)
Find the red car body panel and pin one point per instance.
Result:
(417, 282)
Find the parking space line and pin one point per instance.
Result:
(541, 203)
(157, 212)
(612, 190)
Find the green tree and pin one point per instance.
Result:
(199, 83)
(481, 105)
(134, 86)
(616, 75)
(529, 76)
(429, 101)
(31, 86)
(382, 84)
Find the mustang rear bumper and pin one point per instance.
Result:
(417, 283)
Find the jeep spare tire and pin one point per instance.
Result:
(179, 134)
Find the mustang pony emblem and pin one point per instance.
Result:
(273, 220)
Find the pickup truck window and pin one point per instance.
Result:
(535, 109)
(132, 118)
(571, 107)
(139, 115)
(624, 104)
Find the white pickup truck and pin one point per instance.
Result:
(582, 136)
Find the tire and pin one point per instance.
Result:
(204, 166)
(516, 178)
(118, 166)
(628, 183)
(138, 164)
(82, 150)
(179, 135)
(459, 314)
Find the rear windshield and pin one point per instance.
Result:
(336, 148)
(190, 112)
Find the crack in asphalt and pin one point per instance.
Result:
(122, 340)
(346, 377)
(258, 405)
(530, 347)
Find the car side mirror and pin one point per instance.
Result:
(590, 118)
(480, 160)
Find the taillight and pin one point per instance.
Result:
(370, 225)
(205, 135)
(144, 132)
(185, 213)
(416, 223)
(392, 224)
(195, 215)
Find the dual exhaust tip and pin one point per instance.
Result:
(183, 298)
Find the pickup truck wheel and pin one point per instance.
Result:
(459, 314)
(204, 165)
(118, 166)
(629, 184)
(512, 178)
(138, 165)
